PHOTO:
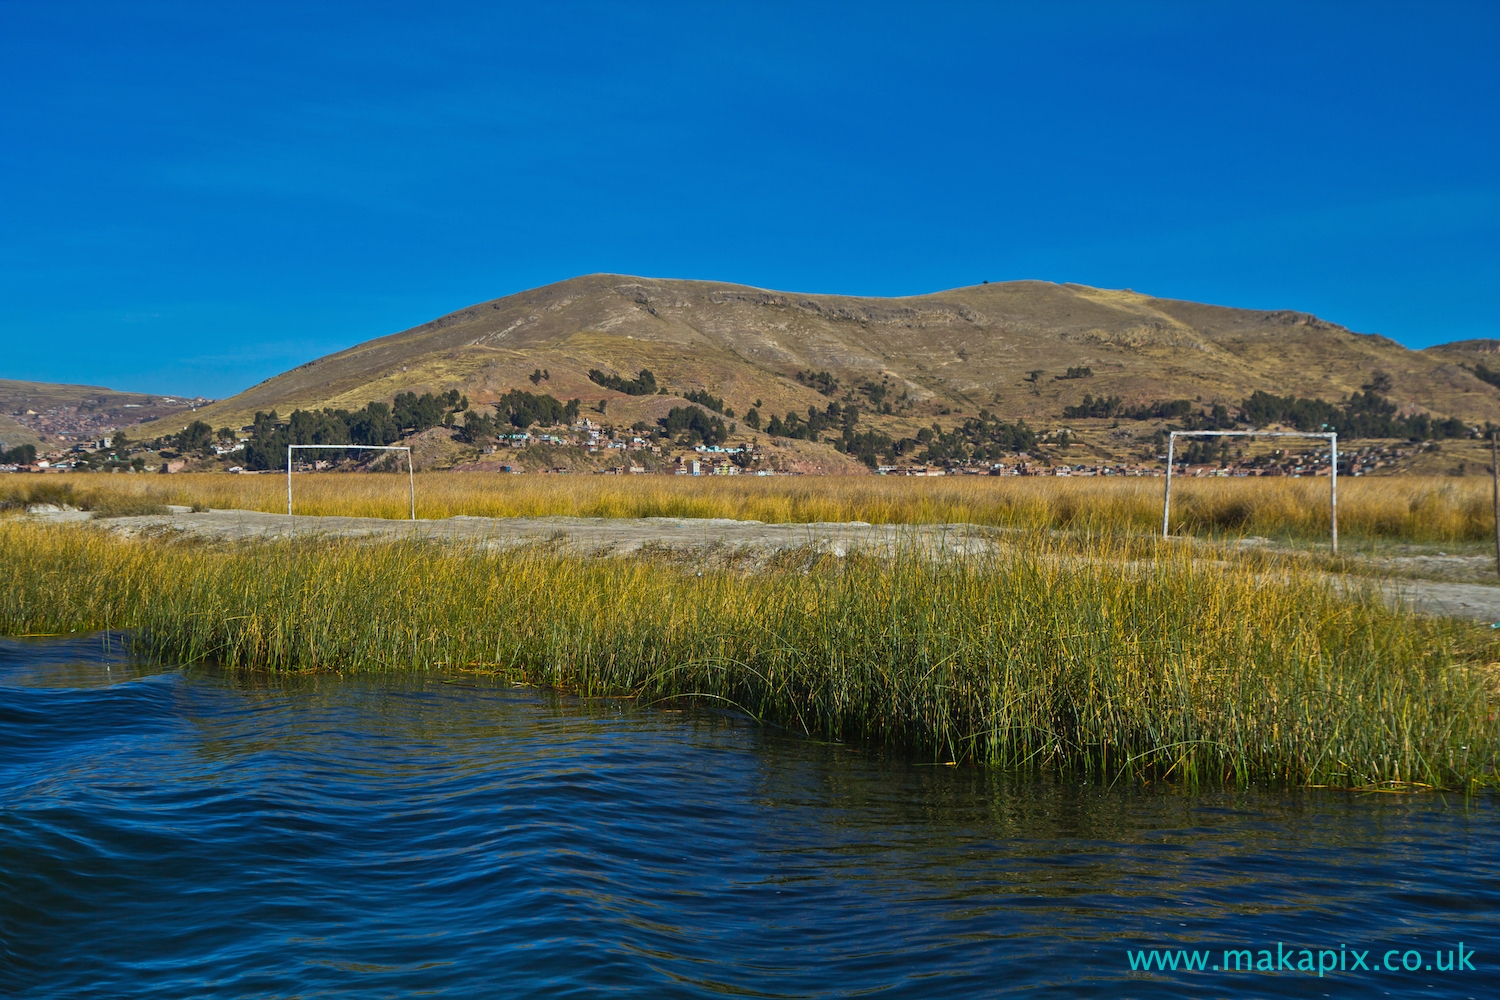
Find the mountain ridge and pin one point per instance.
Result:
(1005, 346)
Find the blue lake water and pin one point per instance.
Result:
(188, 833)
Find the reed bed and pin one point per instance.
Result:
(1410, 509)
(1100, 669)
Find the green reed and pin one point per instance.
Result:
(1042, 656)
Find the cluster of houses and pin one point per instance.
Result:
(587, 434)
(718, 460)
(1023, 468)
(91, 419)
(706, 461)
(694, 467)
(1355, 462)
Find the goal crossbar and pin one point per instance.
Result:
(411, 478)
(1333, 470)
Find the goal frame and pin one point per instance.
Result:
(1333, 470)
(411, 477)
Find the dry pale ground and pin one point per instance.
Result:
(720, 539)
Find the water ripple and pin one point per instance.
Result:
(188, 833)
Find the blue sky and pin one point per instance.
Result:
(194, 197)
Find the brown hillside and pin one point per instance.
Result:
(948, 352)
(1467, 351)
(51, 415)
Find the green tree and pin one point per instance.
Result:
(644, 384)
(196, 437)
(524, 409)
(694, 425)
(21, 454)
(477, 427)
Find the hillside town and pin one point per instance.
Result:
(79, 439)
(92, 419)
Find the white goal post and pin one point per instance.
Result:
(1333, 470)
(410, 475)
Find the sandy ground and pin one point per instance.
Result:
(1474, 601)
(623, 536)
(583, 535)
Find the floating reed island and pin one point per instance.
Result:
(1393, 508)
(1095, 657)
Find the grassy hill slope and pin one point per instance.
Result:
(50, 415)
(945, 353)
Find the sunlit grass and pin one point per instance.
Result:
(1411, 509)
(1101, 667)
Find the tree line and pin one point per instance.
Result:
(520, 410)
(703, 398)
(692, 425)
(376, 423)
(197, 437)
(867, 446)
(644, 384)
(1112, 407)
(822, 381)
(21, 454)
(1364, 414)
(985, 438)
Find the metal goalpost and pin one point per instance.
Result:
(410, 474)
(1333, 473)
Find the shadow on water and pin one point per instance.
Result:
(199, 833)
(93, 660)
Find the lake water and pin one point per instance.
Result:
(172, 833)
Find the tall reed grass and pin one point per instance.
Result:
(1099, 668)
(1411, 509)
